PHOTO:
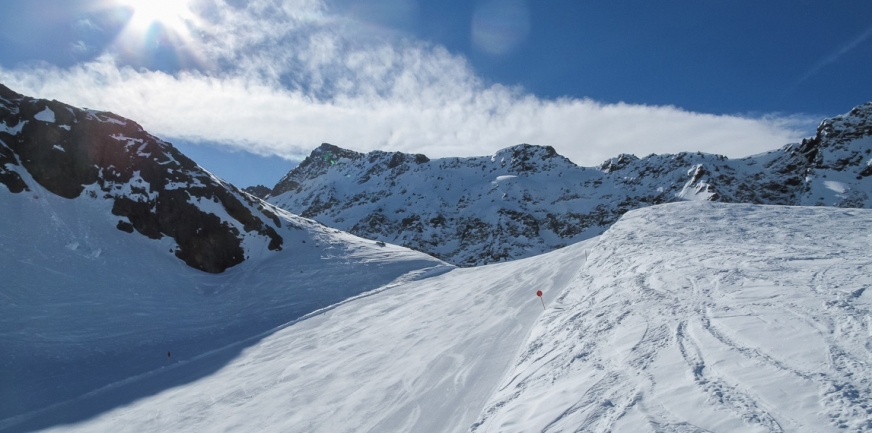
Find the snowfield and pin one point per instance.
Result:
(416, 356)
(697, 317)
(686, 317)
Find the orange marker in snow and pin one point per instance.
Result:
(539, 294)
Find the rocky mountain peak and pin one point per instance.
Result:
(523, 158)
(525, 199)
(328, 154)
(854, 125)
(618, 163)
(842, 144)
(155, 190)
(316, 164)
(259, 191)
(327, 158)
(8, 97)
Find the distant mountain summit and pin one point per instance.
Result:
(525, 200)
(156, 190)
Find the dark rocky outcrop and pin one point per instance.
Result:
(156, 188)
(258, 191)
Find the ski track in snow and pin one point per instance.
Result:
(701, 317)
(687, 317)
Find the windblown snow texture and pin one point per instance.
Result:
(702, 317)
(420, 355)
(526, 200)
(686, 317)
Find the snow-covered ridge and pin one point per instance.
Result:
(851, 126)
(465, 210)
(468, 211)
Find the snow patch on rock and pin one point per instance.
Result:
(45, 115)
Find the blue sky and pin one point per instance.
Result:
(723, 57)
(247, 88)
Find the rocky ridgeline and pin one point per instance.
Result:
(526, 200)
(522, 201)
(156, 190)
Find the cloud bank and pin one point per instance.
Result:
(280, 77)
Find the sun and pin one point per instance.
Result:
(160, 33)
(171, 14)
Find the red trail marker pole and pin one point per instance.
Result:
(539, 294)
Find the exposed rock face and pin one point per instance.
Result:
(525, 200)
(315, 165)
(156, 190)
(258, 191)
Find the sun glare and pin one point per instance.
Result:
(170, 13)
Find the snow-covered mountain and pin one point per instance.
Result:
(526, 200)
(99, 222)
(140, 293)
(686, 317)
(154, 190)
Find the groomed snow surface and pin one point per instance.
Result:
(687, 317)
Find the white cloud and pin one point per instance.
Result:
(284, 76)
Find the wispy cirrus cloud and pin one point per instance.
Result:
(280, 77)
(832, 58)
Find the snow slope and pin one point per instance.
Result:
(414, 356)
(699, 317)
(127, 269)
(84, 305)
(688, 317)
(141, 293)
